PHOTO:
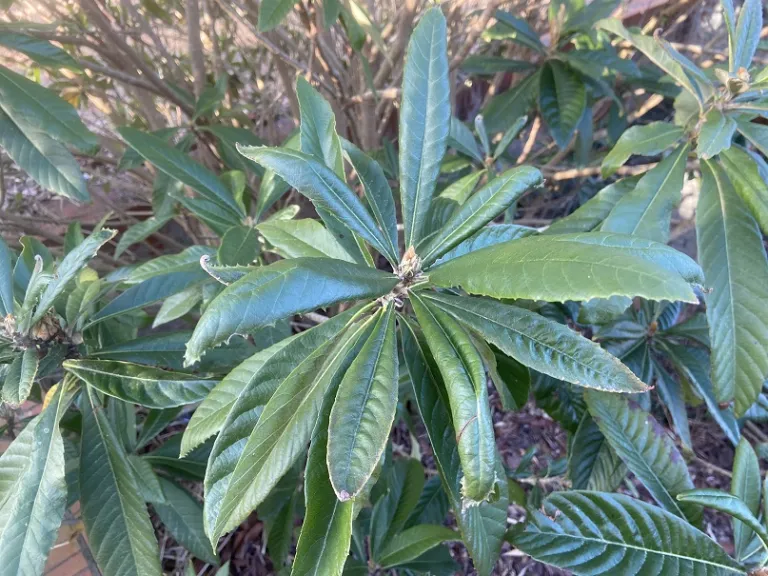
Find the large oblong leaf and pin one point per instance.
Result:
(646, 140)
(595, 533)
(6, 280)
(143, 385)
(323, 187)
(646, 211)
(287, 287)
(483, 526)
(645, 447)
(182, 515)
(749, 185)
(745, 485)
(592, 463)
(734, 261)
(305, 238)
(589, 215)
(323, 545)
(30, 514)
(488, 236)
(568, 267)
(425, 120)
(179, 166)
(40, 109)
(281, 434)
(20, 376)
(731, 505)
(482, 207)
(364, 410)
(540, 343)
(234, 400)
(562, 99)
(377, 191)
(47, 161)
(461, 367)
(413, 542)
(69, 267)
(117, 524)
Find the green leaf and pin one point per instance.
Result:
(140, 232)
(186, 260)
(117, 525)
(47, 161)
(425, 119)
(233, 406)
(592, 533)
(483, 526)
(182, 515)
(647, 140)
(258, 299)
(40, 51)
(178, 305)
(306, 238)
(511, 379)
(413, 542)
(211, 98)
(462, 371)
(749, 185)
(6, 281)
(517, 29)
(227, 137)
(746, 486)
(540, 343)
(584, 18)
(482, 207)
(402, 484)
(239, 246)
(509, 136)
(490, 65)
(31, 509)
(693, 364)
(460, 138)
(715, 134)
(323, 187)
(36, 109)
(659, 56)
(146, 479)
(672, 395)
(571, 267)
(594, 211)
(747, 37)
(729, 504)
(318, 128)
(20, 377)
(734, 261)
(69, 267)
(281, 434)
(364, 410)
(181, 167)
(488, 236)
(272, 13)
(140, 384)
(149, 292)
(646, 449)
(757, 134)
(377, 191)
(646, 211)
(324, 541)
(562, 99)
(503, 109)
(592, 463)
